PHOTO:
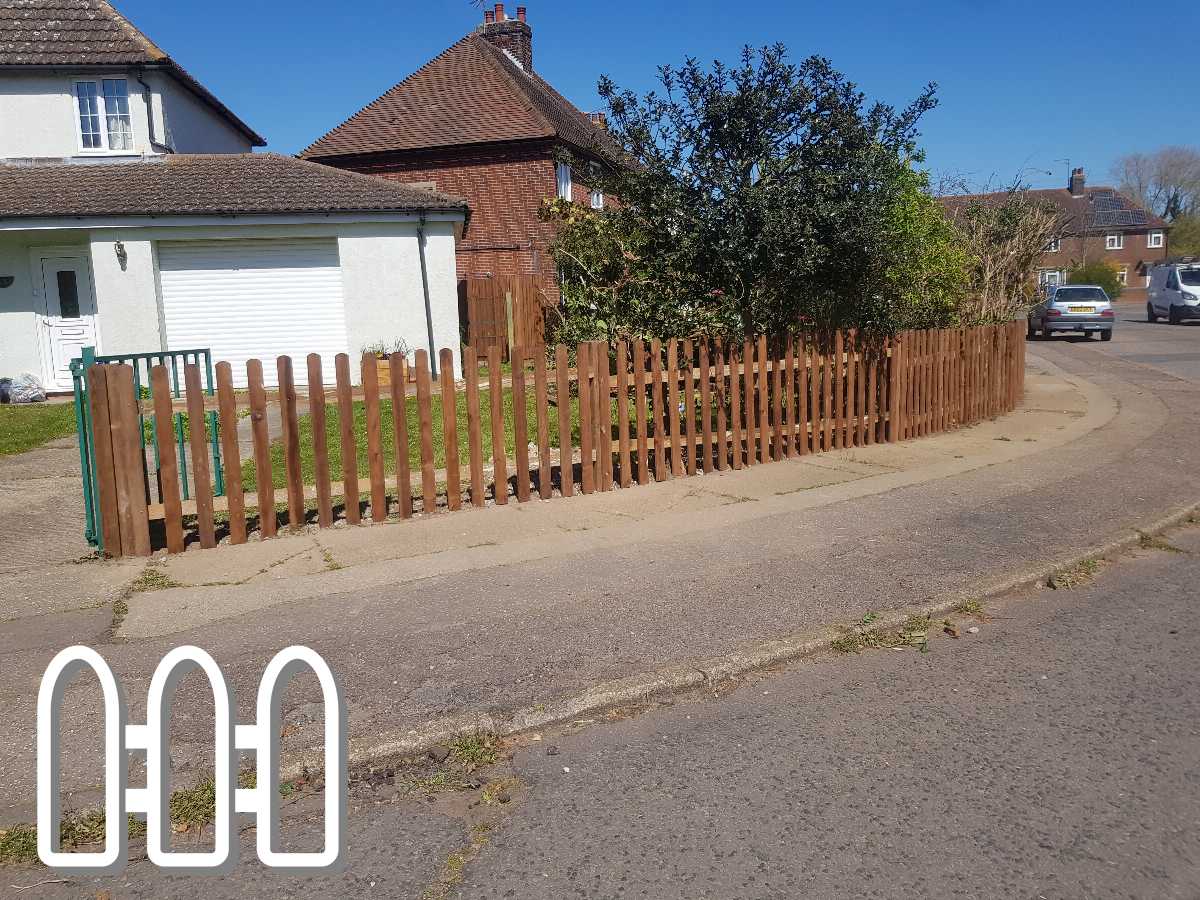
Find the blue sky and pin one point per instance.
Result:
(1023, 86)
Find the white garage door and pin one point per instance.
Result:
(260, 299)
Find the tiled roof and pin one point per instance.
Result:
(471, 93)
(89, 33)
(195, 184)
(1096, 209)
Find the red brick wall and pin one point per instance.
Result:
(1133, 256)
(504, 186)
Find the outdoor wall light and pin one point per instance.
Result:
(6, 280)
(122, 256)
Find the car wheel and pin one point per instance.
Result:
(1173, 316)
(1106, 335)
(1150, 315)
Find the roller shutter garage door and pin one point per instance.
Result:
(259, 299)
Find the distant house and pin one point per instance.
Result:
(478, 122)
(134, 216)
(1099, 223)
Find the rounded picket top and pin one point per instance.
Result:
(59, 672)
(275, 678)
(173, 667)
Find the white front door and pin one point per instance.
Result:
(68, 321)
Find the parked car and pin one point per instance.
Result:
(1077, 308)
(1174, 291)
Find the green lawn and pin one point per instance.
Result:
(24, 426)
(278, 475)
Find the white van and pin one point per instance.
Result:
(1174, 291)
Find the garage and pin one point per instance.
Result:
(259, 298)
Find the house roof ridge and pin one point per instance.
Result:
(501, 62)
(156, 53)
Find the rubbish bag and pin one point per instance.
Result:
(27, 388)
(5, 390)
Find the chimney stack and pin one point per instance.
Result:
(1075, 186)
(598, 119)
(513, 36)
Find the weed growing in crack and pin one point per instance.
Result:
(1078, 575)
(471, 751)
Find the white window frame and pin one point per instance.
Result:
(1114, 241)
(597, 198)
(1054, 246)
(101, 110)
(1123, 276)
(1155, 240)
(1045, 276)
(562, 178)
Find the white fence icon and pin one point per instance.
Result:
(121, 738)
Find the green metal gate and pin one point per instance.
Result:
(175, 361)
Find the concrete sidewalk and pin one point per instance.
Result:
(460, 614)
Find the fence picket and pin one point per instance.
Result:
(803, 394)
(374, 429)
(289, 421)
(706, 429)
(264, 483)
(777, 358)
(623, 461)
(722, 400)
(583, 368)
(689, 405)
(520, 422)
(450, 429)
(201, 476)
(425, 420)
(345, 403)
(231, 455)
(470, 358)
(764, 401)
(603, 416)
(106, 464)
(566, 453)
(661, 473)
(642, 419)
(673, 412)
(496, 401)
(735, 407)
(542, 408)
(317, 417)
(164, 418)
(398, 376)
(749, 406)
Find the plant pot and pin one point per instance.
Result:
(383, 370)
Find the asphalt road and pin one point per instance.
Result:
(1054, 754)
(1173, 349)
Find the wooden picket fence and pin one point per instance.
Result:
(621, 414)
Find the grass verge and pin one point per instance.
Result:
(24, 426)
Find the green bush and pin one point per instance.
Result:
(1099, 272)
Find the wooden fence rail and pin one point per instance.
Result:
(626, 414)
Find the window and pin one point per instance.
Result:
(103, 108)
(1123, 275)
(1114, 241)
(68, 294)
(1190, 277)
(1154, 240)
(1053, 246)
(597, 199)
(1172, 282)
(1048, 276)
(563, 173)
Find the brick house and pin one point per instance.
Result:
(1099, 223)
(477, 121)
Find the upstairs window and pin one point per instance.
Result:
(1053, 246)
(563, 176)
(1114, 241)
(1154, 240)
(103, 110)
(597, 199)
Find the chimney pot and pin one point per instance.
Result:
(499, 12)
(520, 14)
(1077, 182)
(488, 17)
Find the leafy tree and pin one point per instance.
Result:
(751, 197)
(1098, 272)
(1167, 181)
(1004, 234)
(1185, 236)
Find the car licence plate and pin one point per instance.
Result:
(1081, 309)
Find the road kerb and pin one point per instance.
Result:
(646, 687)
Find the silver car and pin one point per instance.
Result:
(1075, 308)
